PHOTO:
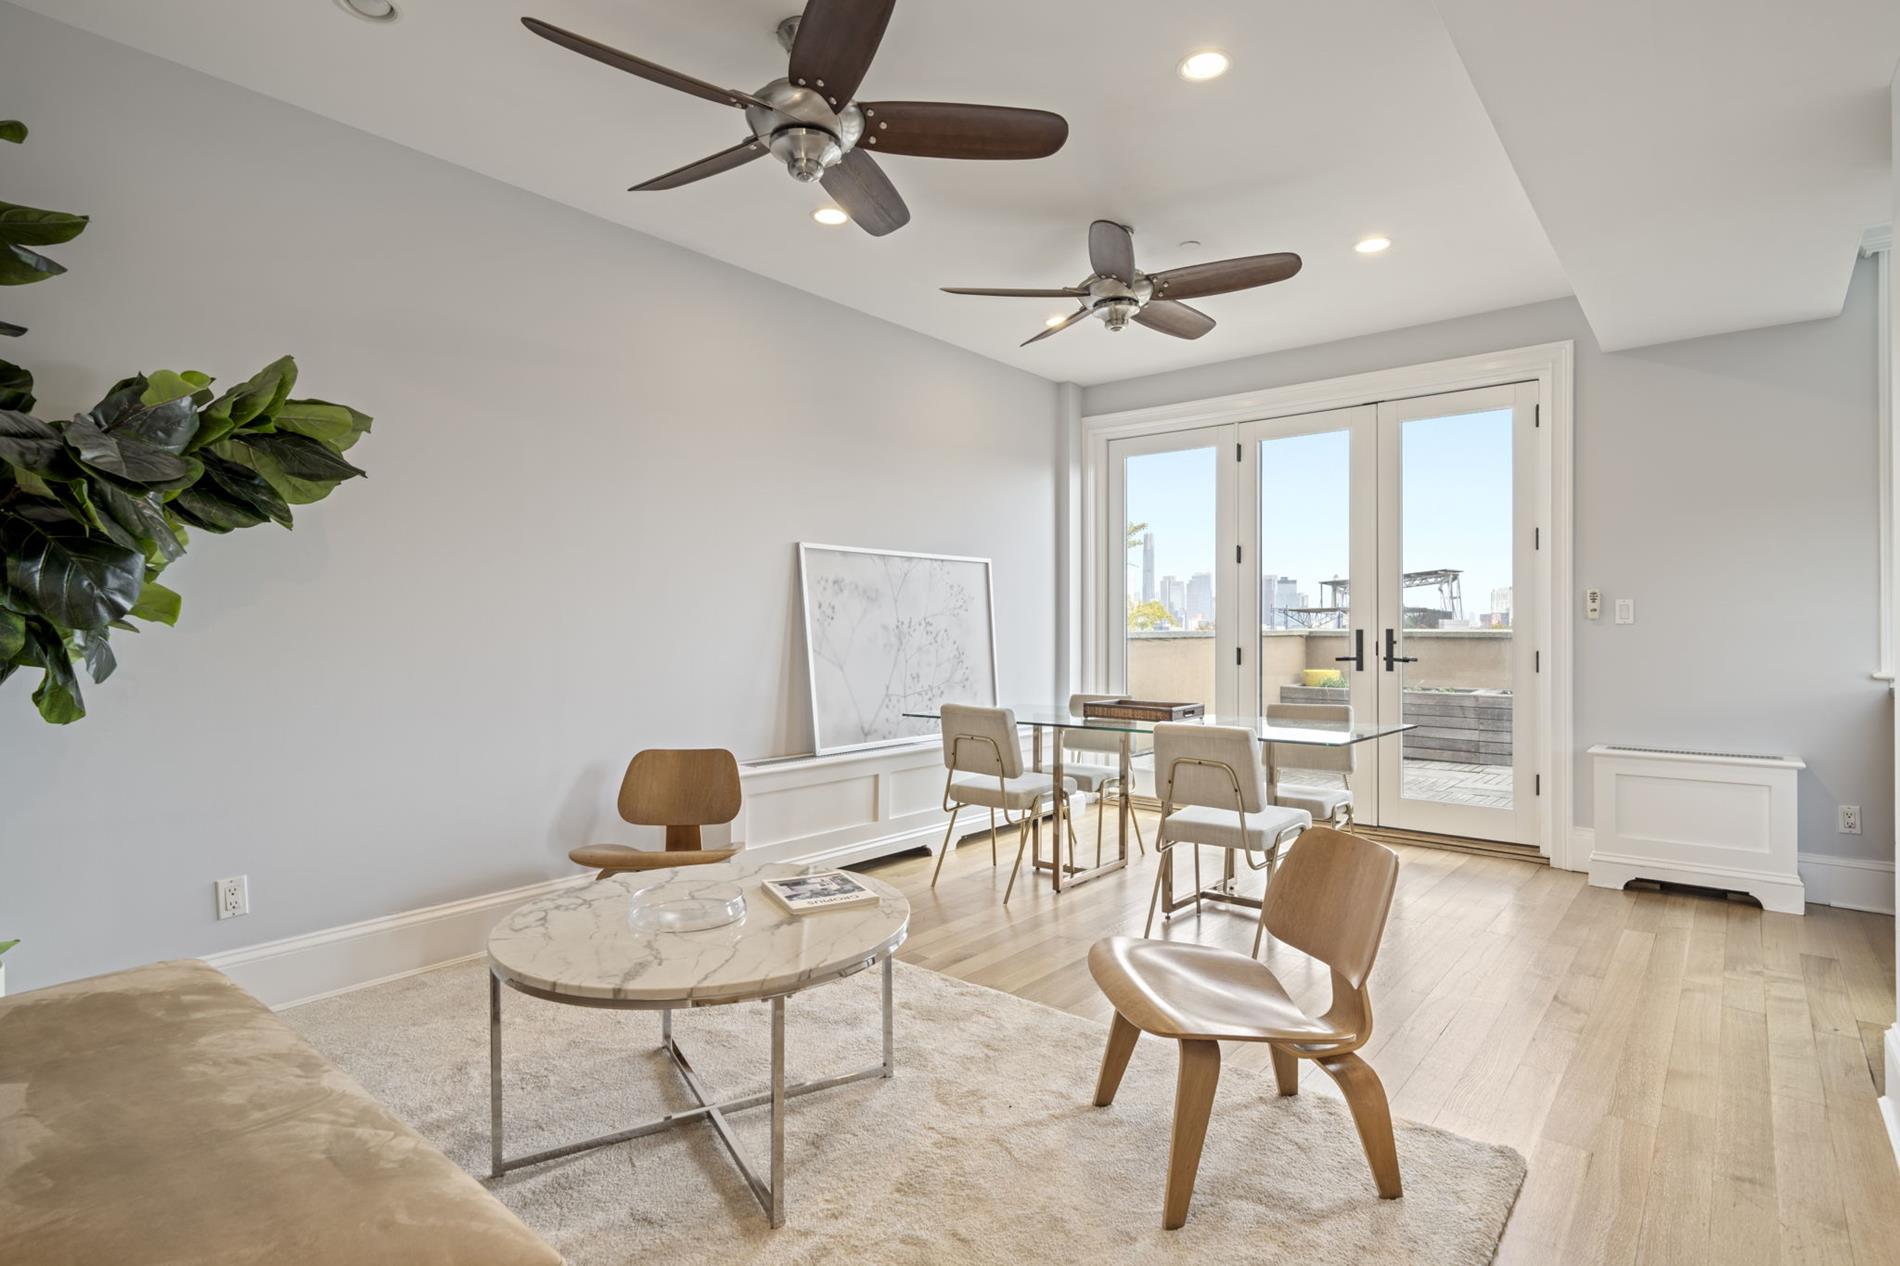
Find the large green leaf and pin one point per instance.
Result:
(299, 468)
(140, 515)
(100, 661)
(157, 604)
(130, 458)
(260, 396)
(9, 330)
(32, 445)
(73, 579)
(242, 483)
(30, 226)
(12, 633)
(168, 425)
(12, 130)
(22, 267)
(336, 425)
(16, 387)
(58, 697)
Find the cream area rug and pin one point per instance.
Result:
(983, 1147)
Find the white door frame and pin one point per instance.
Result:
(1549, 365)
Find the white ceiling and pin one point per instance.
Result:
(1657, 164)
(1700, 165)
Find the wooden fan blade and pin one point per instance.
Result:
(1112, 250)
(651, 71)
(725, 160)
(1198, 280)
(1174, 318)
(1058, 327)
(948, 129)
(835, 44)
(1067, 292)
(867, 195)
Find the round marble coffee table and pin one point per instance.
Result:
(583, 947)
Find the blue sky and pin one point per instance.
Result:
(1456, 490)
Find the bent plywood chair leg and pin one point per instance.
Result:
(945, 850)
(1286, 1071)
(1193, 1102)
(1365, 1095)
(1121, 1044)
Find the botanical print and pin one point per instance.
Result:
(890, 634)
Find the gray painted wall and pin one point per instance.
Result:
(1728, 485)
(593, 454)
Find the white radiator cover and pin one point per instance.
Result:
(1704, 818)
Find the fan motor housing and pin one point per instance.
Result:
(1115, 301)
(802, 130)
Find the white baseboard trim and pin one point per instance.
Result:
(336, 960)
(1850, 883)
(1890, 1102)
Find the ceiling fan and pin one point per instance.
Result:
(811, 121)
(1118, 292)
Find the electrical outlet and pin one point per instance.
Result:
(233, 896)
(1850, 819)
(1626, 610)
(1592, 603)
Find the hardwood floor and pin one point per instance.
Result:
(1691, 1079)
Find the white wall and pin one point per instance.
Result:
(593, 454)
(1729, 486)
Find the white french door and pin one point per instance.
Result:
(1371, 556)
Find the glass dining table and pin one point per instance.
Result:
(1054, 719)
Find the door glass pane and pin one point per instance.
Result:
(1171, 535)
(1456, 567)
(1305, 554)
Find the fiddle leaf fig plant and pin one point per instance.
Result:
(95, 507)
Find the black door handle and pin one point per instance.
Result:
(1358, 657)
(1390, 657)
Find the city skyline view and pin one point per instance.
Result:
(1456, 515)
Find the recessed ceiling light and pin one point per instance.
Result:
(369, 10)
(1209, 63)
(1371, 245)
(830, 215)
(1057, 319)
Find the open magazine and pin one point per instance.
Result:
(827, 890)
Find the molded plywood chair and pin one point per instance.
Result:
(1290, 766)
(1214, 792)
(681, 789)
(1330, 901)
(985, 760)
(1101, 776)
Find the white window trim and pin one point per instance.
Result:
(1877, 244)
(1550, 365)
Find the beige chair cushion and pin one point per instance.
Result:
(163, 1115)
(1196, 824)
(1090, 777)
(1014, 794)
(1322, 802)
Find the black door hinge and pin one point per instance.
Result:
(1537, 415)
(1537, 783)
(1237, 456)
(1236, 553)
(1537, 538)
(1236, 657)
(1537, 661)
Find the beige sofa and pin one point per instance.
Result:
(163, 1115)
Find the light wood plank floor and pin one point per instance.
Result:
(1692, 1080)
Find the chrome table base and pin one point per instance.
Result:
(770, 1189)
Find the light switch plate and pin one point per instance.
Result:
(1592, 603)
(1626, 610)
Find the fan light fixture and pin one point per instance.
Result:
(1372, 245)
(369, 10)
(1054, 321)
(1207, 64)
(830, 216)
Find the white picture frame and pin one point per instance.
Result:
(889, 632)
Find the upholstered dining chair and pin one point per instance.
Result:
(984, 758)
(1329, 901)
(1100, 770)
(1214, 793)
(1291, 766)
(681, 789)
